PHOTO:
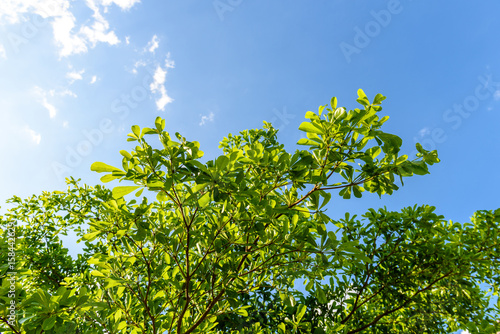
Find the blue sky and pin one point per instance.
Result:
(75, 75)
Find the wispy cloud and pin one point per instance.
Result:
(62, 93)
(3, 54)
(424, 131)
(41, 95)
(52, 110)
(158, 79)
(158, 84)
(34, 136)
(93, 80)
(70, 37)
(99, 31)
(169, 63)
(158, 87)
(123, 4)
(137, 64)
(153, 44)
(68, 42)
(496, 96)
(75, 75)
(207, 118)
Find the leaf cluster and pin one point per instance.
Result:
(216, 246)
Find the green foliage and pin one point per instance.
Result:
(219, 248)
(420, 274)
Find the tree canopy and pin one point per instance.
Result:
(217, 246)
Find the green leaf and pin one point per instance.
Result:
(97, 273)
(333, 103)
(204, 200)
(110, 283)
(48, 323)
(361, 94)
(420, 149)
(121, 191)
(109, 177)
(360, 256)
(159, 123)
(91, 236)
(419, 168)
(373, 152)
(101, 167)
(378, 99)
(161, 196)
(362, 98)
(311, 115)
(310, 127)
(136, 130)
(320, 294)
(392, 142)
(301, 310)
(147, 131)
(222, 162)
(155, 184)
(242, 311)
(304, 141)
(122, 325)
(162, 239)
(126, 154)
(357, 191)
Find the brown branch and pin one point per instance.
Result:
(10, 326)
(377, 318)
(205, 314)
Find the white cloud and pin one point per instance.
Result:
(2, 52)
(64, 92)
(424, 131)
(465, 332)
(93, 80)
(127, 40)
(123, 4)
(139, 63)
(35, 137)
(496, 96)
(68, 42)
(153, 44)
(158, 79)
(163, 100)
(169, 63)
(205, 118)
(65, 124)
(42, 98)
(52, 110)
(99, 32)
(12, 11)
(68, 36)
(158, 87)
(75, 75)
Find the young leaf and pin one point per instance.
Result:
(310, 127)
(101, 167)
(136, 130)
(301, 310)
(123, 190)
(333, 103)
